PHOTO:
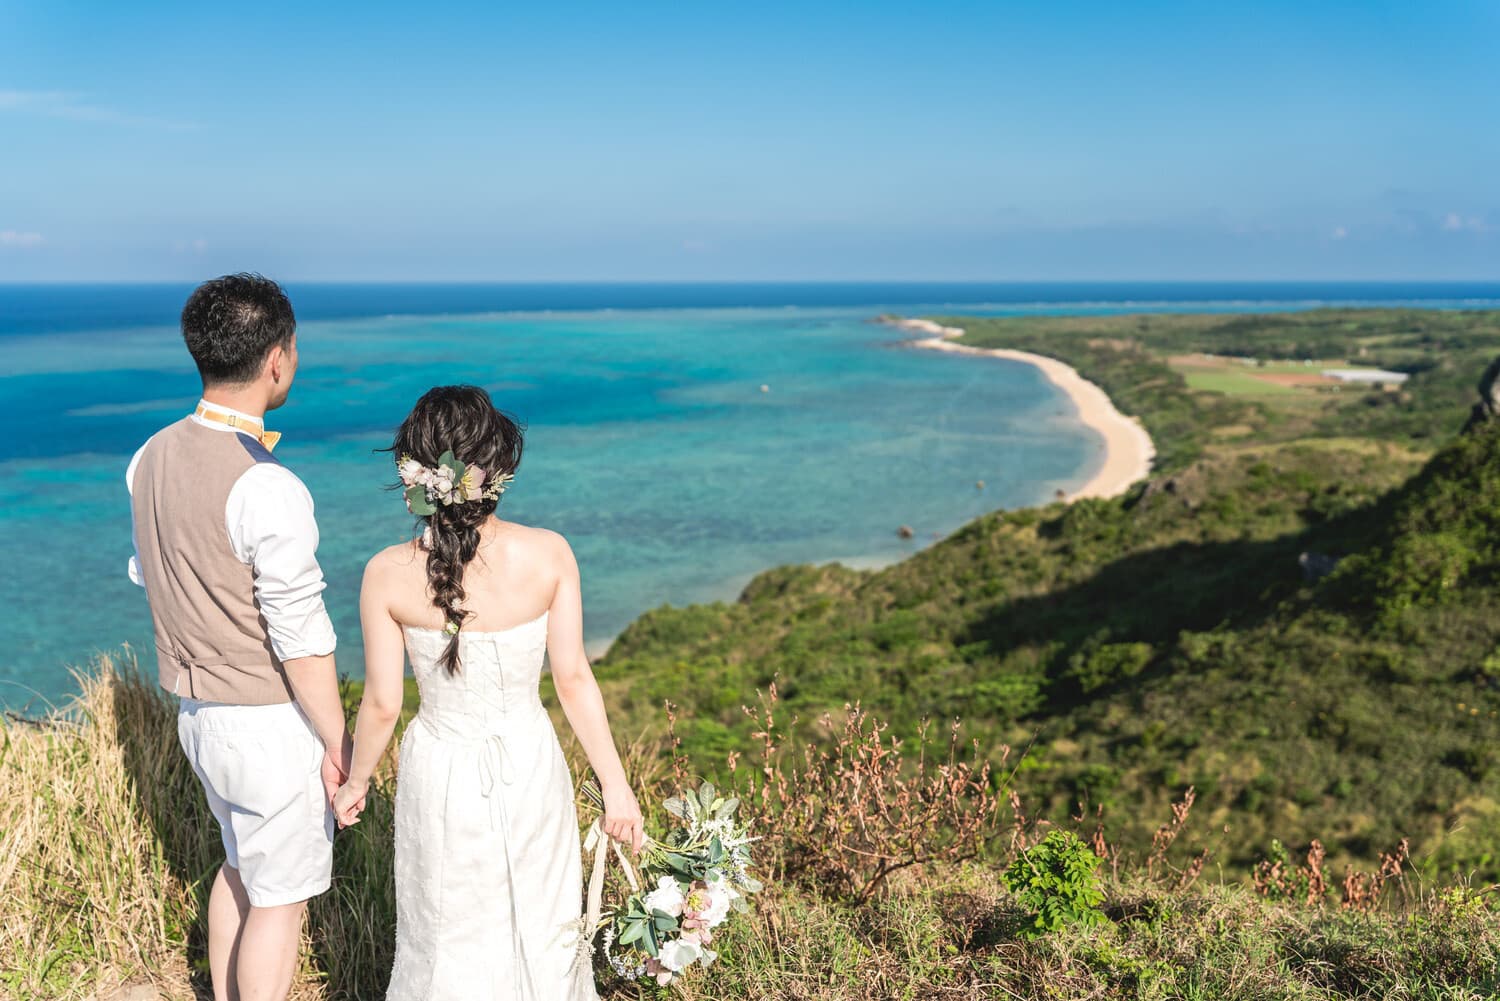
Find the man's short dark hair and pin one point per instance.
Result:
(231, 323)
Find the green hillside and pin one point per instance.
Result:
(1178, 635)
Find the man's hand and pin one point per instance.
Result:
(349, 802)
(622, 817)
(335, 767)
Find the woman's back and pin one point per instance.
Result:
(510, 581)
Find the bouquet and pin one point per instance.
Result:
(694, 878)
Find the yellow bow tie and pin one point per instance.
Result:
(249, 426)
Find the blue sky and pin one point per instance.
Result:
(769, 141)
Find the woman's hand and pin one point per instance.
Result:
(622, 817)
(349, 802)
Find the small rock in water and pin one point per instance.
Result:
(978, 484)
(1061, 493)
(905, 532)
(765, 388)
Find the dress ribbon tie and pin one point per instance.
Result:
(495, 760)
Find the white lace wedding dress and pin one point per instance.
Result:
(488, 874)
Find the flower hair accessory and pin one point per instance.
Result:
(449, 482)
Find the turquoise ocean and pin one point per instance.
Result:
(651, 444)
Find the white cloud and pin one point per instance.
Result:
(197, 246)
(16, 238)
(10, 99)
(1339, 232)
(62, 104)
(1455, 223)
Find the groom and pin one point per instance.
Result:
(225, 547)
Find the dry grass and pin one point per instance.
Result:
(91, 896)
(859, 806)
(109, 851)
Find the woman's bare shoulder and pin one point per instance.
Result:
(544, 544)
(393, 559)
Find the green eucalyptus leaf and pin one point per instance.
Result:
(416, 496)
(649, 939)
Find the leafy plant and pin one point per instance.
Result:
(1057, 881)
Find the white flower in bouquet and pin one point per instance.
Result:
(678, 954)
(667, 897)
(720, 896)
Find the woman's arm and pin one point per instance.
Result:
(384, 664)
(584, 705)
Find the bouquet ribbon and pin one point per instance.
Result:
(597, 842)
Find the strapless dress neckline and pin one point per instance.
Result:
(482, 632)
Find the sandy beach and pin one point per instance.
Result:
(1128, 449)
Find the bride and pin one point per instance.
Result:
(488, 875)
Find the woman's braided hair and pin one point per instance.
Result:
(463, 420)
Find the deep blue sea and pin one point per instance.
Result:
(651, 444)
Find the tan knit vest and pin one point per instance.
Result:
(211, 641)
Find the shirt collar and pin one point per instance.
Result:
(227, 412)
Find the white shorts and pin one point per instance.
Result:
(261, 768)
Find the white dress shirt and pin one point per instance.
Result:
(269, 521)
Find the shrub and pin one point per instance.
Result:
(1057, 881)
(1108, 664)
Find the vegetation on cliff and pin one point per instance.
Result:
(1188, 633)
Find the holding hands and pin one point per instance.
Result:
(346, 797)
(349, 802)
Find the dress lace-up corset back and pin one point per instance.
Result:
(488, 874)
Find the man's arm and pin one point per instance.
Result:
(271, 526)
(133, 571)
(315, 684)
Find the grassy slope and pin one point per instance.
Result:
(1168, 638)
(107, 851)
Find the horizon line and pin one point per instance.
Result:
(1494, 280)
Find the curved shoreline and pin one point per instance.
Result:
(1128, 449)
